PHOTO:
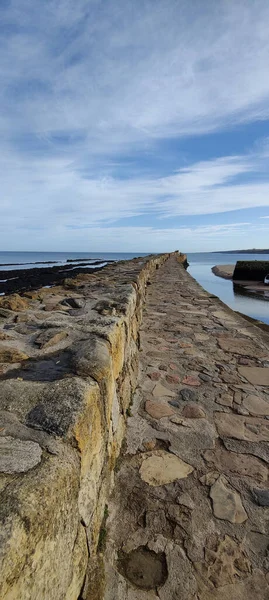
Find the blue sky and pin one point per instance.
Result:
(134, 125)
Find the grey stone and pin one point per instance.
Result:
(188, 395)
(174, 403)
(11, 426)
(17, 456)
(261, 497)
(74, 302)
(204, 377)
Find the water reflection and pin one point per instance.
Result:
(238, 298)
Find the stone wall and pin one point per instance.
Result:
(68, 369)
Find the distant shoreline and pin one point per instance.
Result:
(252, 251)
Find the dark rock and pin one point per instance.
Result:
(261, 497)
(204, 377)
(174, 403)
(74, 302)
(188, 395)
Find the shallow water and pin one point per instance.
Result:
(200, 269)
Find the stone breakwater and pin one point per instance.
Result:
(188, 517)
(68, 372)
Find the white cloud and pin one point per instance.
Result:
(135, 71)
(91, 81)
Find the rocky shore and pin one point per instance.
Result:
(21, 280)
(138, 343)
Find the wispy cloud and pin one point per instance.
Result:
(92, 81)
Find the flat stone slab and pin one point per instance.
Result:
(256, 405)
(244, 347)
(255, 375)
(161, 468)
(234, 462)
(157, 410)
(227, 503)
(242, 428)
(159, 391)
(18, 456)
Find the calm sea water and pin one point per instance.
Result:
(200, 269)
(28, 259)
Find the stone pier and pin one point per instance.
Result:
(134, 429)
(189, 515)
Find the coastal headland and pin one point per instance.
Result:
(136, 381)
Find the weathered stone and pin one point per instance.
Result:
(261, 450)
(163, 367)
(261, 497)
(159, 391)
(227, 503)
(5, 313)
(174, 403)
(256, 405)
(144, 568)
(225, 400)
(237, 463)
(154, 376)
(74, 302)
(190, 380)
(242, 428)
(193, 411)
(161, 468)
(17, 456)
(255, 375)
(157, 410)
(188, 395)
(185, 500)
(209, 478)
(204, 377)
(4, 336)
(226, 563)
(240, 346)
(92, 358)
(9, 354)
(179, 421)
(50, 338)
(14, 302)
(237, 397)
(172, 378)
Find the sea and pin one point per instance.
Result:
(200, 264)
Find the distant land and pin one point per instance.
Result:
(250, 251)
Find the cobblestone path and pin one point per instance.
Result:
(189, 515)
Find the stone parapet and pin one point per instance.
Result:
(68, 369)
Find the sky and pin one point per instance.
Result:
(134, 125)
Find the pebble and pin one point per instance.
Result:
(188, 395)
(172, 378)
(204, 377)
(173, 403)
(193, 411)
(154, 376)
(190, 380)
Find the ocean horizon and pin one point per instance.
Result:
(200, 265)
